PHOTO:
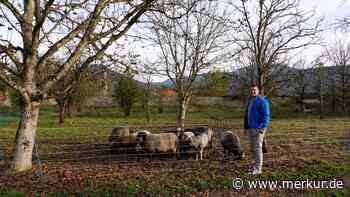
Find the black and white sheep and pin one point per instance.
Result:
(231, 144)
(204, 130)
(199, 143)
(187, 135)
(207, 130)
(186, 149)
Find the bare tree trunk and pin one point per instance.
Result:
(261, 81)
(302, 98)
(62, 107)
(148, 111)
(334, 102)
(69, 110)
(160, 105)
(25, 137)
(301, 106)
(182, 110)
(321, 105)
(343, 99)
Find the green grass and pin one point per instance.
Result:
(7, 118)
(11, 194)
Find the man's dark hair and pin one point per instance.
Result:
(253, 85)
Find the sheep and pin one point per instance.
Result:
(125, 144)
(122, 141)
(199, 142)
(118, 132)
(142, 132)
(160, 143)
(185, 146)
(231, 144)
(208, 131)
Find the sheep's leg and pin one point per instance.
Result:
(207, 152)
(176, 156)
(201, 153)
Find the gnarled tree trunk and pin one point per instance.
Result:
(25, 137)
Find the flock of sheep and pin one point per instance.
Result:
(182, 143)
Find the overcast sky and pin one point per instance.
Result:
(328, 8)
(331, 10)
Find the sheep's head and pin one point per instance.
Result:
(140, 138)
(179, 132)
(194, 141)
(187, 135)
(187, 138)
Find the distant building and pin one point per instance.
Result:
(167, 92)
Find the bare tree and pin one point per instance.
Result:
(44, 29)
(189, 45)
(300, 81)
(147, 73)
(320, 86)
(126, 91)
(339, 56)
(246, 75)
(270, 29)
(73, 92)
(277, 76)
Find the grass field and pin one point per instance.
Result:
(73, 159)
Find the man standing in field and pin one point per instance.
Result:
(256, 121)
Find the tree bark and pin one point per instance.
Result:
(321, 105)
(148, 111)
(25, 137)
(261, 81)
(343, 98)
(62, 107)
(160, 105)
(182, 110)
(334, 102)
(302, 105)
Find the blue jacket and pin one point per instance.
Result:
(259, 115)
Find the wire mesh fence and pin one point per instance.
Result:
(90, 156)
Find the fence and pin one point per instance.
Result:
(92, 155)
(78, 148)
